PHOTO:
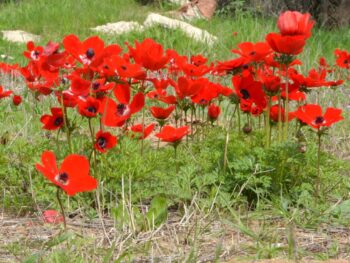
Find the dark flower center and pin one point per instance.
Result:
(245, 94)
(91, 109)
(64, 81)
(346, 61)
(90, 53)
(58, 121)
(203, 101)
(95, 85)
(124, 68)
(121, 108)
(36, 53)
(62, 178)
(253, 53)
(245, 66)
(319, 120)
(102, 142)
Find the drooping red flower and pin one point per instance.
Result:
(73, 175)
(89, 107)
(171, 134)
(104, 141)
(161, 113)
(3, 93)
(289, 45)
(294, 23)
(213, 112)
(143, 131)
(17, 100)
(312, 115)
(54, 121)
(149, 54)
(116, 113)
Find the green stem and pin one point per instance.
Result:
(268, 130)
(318, 182)
(279, 119)
(61, 207)
(287, 107)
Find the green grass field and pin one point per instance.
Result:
(259, 204)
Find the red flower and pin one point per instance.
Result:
(161, 113)
(311, 114)
(292, 23)
(149, 54)
(104, 141)
(3, 93)
(88, 52)
(143, 131)
(17, 100)
(73, 175)
(115, 114)
(89, 107)
(213, 112)
(171, 134)
(343, 58)
(274, 114)
(187, 87)
(52, 217)
(289, 45)
(33, 52)
(253, 52)
(54, 121)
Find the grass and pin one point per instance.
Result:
(206, 211)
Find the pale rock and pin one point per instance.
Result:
(191, 31)
(19, 36)
(118, 28)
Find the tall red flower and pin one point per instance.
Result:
(213, 112)
(253, 52)
(73, 175)
(143, 131)
(89, 107)
(312, 115)
(294, 23)
(54, 121)
(171, 134)
(289, 45)
(104, 141)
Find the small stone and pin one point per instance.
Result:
(118, 28)
(19, 36)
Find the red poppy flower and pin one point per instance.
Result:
(149, 54)
(89, 107)
(161, 95)
(143, 131)
(343, 58)
(17, 100)
(87, 52)
(253, 52)
(33, 52)
(115, 114)
(314, 79)
(213, 112)
(312, 115)
(104, 141)
(171, 134)
(229, 66)
(289, 45)
(187, 87)
(292, 23)
(198, 60)
(274, 114)
(3, 93)
(73, 175)
(54, 121)
(193, 70)
(161, 113)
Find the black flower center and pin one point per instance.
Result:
(91, 109)
(58, 121)
(319, 120)
(62, 178)
(245, 94)
(346, 61)
(245, 66)
(102, 142)
(90, 53)
(121, 108)
(253, 53)
(124, 68)
(36, 53)
(95, 85)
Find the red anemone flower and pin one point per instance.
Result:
(253, 52)
(104, 141)
(3, 93)
(343, 58)
(213, 112)
(54, 121)
(33, 52)
(274, 114)
(289, 45)
(292, 23)
(17, 100)
(73, 175)
(312, 115)
(115, 114)
(89, 107)
(143, 131)
(171, 134)
(162, 113)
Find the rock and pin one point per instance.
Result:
(179, 2)
(191, 31)
(118, 28)
(19, 36)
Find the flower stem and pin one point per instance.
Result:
(268, 123)
(175, 156)
(318, 182)
(61, 207)
(287, 107)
